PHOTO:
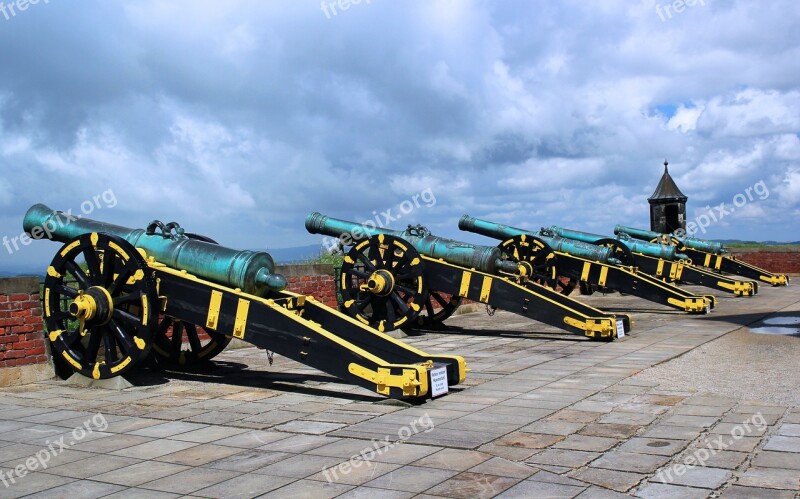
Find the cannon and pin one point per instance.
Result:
(704, 245)
(412, 279)
(658, 260)
(599, 271)
(114, 295)
(708, 254)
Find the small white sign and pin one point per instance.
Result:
(439, 381)
(620, 328)
(708, 308)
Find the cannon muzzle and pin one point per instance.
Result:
(564, 245)
(484, 258)
(688, 242)
(250, 271)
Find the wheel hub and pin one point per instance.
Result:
(380, 283)
(525, 271)
(93, 306)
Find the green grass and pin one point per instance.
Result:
(755, 245)
(326, 258)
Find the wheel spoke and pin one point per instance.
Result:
(404, 289)
(365, 260)
(95, 338)
(379, 306)
(92, 263)
(439, 299)
(374, 254)
(110, 346)
(177, 336)
(123, 339)
(401, 305)
(124, 315)
(123, 299)
(358, 273)
(109, 266)
(388, 257)
(70, 337)
(60, 315)
(121, 279)
(194, 339)
(78, 274)
(362, 304)
(391, 312)
(63, 289)
(429, 307)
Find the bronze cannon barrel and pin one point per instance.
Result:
(250, 271)
(484, 258)
(501, 232)
(688, 242)
(636, 245)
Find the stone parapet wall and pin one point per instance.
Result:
(23, 352)
(777, 260)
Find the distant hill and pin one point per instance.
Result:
(22, 271)
(765, 243)
(295, 254)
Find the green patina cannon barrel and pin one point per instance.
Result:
(570, 246)
(250, 271)
(637, 245)
(688, 242)
(484, 258)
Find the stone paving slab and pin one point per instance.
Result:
(542, 414)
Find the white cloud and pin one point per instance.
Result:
(685, 119)
(789, 188)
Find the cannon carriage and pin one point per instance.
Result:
(662, 261)
(592, 267)
(708, 254)
(114, 295)
(395, 279)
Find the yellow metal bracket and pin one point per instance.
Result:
(413, 382)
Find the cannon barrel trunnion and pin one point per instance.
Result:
(112, 295)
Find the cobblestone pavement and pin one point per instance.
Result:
(541, 415)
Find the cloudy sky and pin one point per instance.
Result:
(238, 118)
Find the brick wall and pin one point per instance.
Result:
(315, 280)
(23, 354)
(774, 260)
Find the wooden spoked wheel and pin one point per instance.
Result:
(537, 257)
(620, 250)
(101, 305)
(382, 283)
(438, 308)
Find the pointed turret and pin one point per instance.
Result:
(667, 205)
